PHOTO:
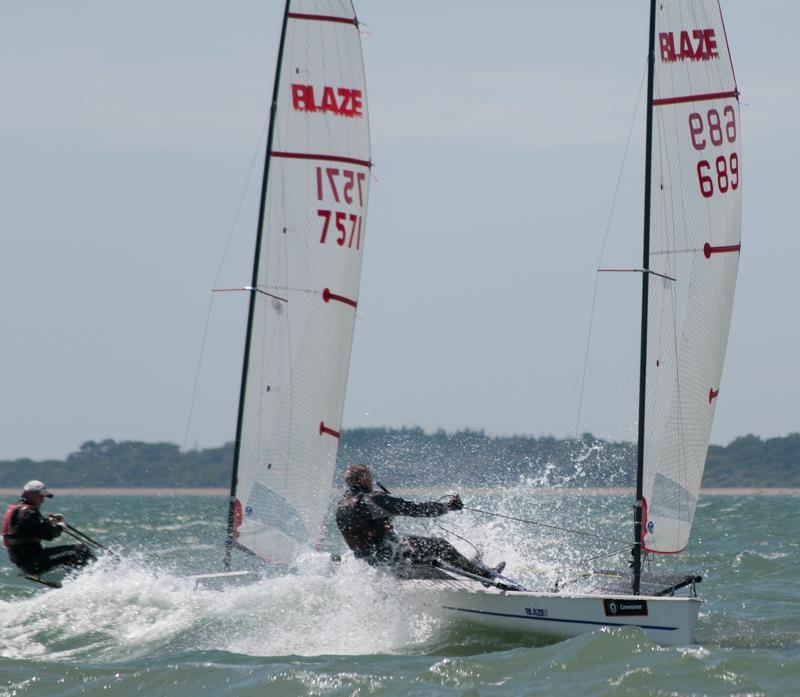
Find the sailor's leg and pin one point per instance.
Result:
(31, 563)
(72, 556)
(427, 548)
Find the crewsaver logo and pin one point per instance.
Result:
(341, 101)
(619, 608)
(695, 45)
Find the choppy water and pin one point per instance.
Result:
(138, 627)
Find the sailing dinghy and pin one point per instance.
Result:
(692, 225)
(304, 289)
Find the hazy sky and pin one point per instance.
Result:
(127, 135)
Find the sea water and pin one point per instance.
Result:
(136, 625)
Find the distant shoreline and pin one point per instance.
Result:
(563, 491)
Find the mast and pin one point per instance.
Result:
(648, 165)
(253, 293)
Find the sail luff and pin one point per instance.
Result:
(234, 513)
(637, 511)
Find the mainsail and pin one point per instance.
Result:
(306, 278)
(695, 228)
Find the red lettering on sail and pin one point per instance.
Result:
(340, 220)
(339, 189)
(695, 44)
(328, 100)
(710, 42)
(727, 175)
(341, 101)
(303, 98)
(356, 101)
(667, 43)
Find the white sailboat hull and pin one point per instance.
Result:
(668, 621)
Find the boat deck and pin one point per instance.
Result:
(603, 582)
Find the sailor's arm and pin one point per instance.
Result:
(397, 506)
(31, 522)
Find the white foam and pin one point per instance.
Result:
(123, 611)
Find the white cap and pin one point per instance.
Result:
(34, 486)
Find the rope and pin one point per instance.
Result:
(547, 525)
(559, 584)
(529, 522)
(608, 554)
(450, 532)
(602, 254)
(204, 340)
(444, 529)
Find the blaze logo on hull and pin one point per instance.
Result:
(341, 101)
(695, 45)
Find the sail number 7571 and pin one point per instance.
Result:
(344, 187)
(345, 223)
(340, 183)
(712, 130)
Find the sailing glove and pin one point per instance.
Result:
(455, 503)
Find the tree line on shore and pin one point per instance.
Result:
(409, 457)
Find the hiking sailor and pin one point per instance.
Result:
(365, 516)
(24, 529)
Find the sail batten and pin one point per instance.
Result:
(325, 158)
(308, 272)
(695, 231)
(666, 101)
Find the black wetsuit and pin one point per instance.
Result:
(26, 527)
(364, 519)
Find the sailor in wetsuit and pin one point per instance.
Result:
(24, 528)
(364, 518)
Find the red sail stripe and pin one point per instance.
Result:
(696, 98)
(237, 519)
(323, 429)
(708, 250)
(327, 296)
(325, 158)
(644, 519)
(324, 18)
(712, 395)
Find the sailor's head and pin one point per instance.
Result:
(35, 492)
(358, 478)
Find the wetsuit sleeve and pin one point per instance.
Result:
(32, 523)
(397, 506)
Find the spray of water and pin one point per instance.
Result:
(125, 610)
(144, 604)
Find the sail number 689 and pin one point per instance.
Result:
(711, 129)
(725, 172)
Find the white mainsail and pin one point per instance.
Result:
(695, 229)
(309, 266)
